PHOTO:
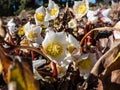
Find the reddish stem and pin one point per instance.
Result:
(54, 70)
(32, 54)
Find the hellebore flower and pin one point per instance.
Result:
(73, 43)
(55, 46)
(72, 24)
(92, 16)
(52, 11)
(86, 62)
(80, 8)
(33, 33)
(104, 15)
(40, 14)
(36, 64)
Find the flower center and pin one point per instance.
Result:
(85, 64)
(71, 24)
(32, 34)
(54, 49)
(53, 12)
(81, 9)
(40, 17)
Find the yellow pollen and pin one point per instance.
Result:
(85, 64)
(40, 17)
(71, 48)
(71, 23)
(81, 9)
(54, 49)
(32, 35)
(53, 12)
(21, 31)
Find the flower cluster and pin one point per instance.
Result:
(54, 34)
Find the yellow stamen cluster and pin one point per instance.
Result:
(81, 9)
(54, 49)
(40, 17)
(53, 12)
(85, 64)
(21, 31)
(71, 23)
(32, 35)
(71, 48)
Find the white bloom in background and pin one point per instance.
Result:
(55, 46)
(105, 15)
(40, 14)
(86, 62)
(11, 26)
(52, 11)
(80, 8)
(32, 32)
(36, 64)
(92, 16)
(72, 24)
(105, 12)
(73, 43)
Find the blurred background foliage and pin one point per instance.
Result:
(14, 7)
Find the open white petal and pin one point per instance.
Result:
(73, 41)
(106, 12)
(51, 4)
(40, 9)
(52, 11)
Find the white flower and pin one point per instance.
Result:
(91, 15)
(11, 26)
(55, 46)
(36, 64)
(105, 12)
(73, 43)
(72, 23)
(52, 11)
(80, 8)
(105, 15)
(40, 14)
(86, 63)
(32, 32)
